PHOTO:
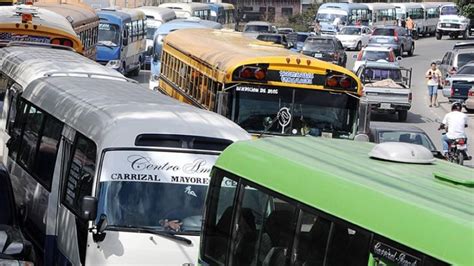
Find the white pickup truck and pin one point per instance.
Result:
(451, 23)
(387, 88)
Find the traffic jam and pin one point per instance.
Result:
(189, 133)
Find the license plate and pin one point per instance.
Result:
(318, 55)
(385, 106)
(382, 41)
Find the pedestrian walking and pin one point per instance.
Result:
(433, 77)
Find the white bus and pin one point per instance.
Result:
(105, 171)
(413, 10)
(186, 10)
(431, 11)
(381, 14)
(337, 14)
(155, 17)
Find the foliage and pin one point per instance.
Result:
(467, 8)
(303, 21)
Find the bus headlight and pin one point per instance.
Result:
(113, 64)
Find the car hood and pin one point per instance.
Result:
(453, 19)
(343, 38)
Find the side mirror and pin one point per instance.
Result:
(437, 154)
(98, 234)
(89, 208)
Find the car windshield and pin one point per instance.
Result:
(257, 28)
(374, 74)
(449, 10)
(419, 138)
(6, 213)
(147, 188)
(376, 55)
(327, 17)
(465, 58)
(467, 70)
(318, 44)
(109, 34)
(295, 111)
(383, 32)
(350, 31)
(270, 38)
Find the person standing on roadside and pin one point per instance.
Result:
(433, 77)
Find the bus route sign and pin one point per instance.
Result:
(12, 37)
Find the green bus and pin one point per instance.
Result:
(314, 201)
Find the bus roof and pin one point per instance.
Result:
(193, 22)
(113, 113)
(25, 64)
(44, 17)
(408, 5)
(186, 6)
(120, 15)
(344, 6)
(403, 202)
(213, 46)
(79, 13)
(158, 13)
(373, 6)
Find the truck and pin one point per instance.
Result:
(453, 24)
(386, 88)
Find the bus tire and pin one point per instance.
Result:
(402, 115)
(135, 72)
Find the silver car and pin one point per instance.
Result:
(394, 37)
(457, 86)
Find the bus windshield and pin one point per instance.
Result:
(288, 111)
(109, 34)
(151, 188)
(328, 17)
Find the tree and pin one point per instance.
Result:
(466, 7)
(303, 21)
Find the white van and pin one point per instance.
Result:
(104, 171)
(381, 14)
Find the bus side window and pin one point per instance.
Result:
(218, 219)
(80, 174)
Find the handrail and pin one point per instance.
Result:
(89, 75)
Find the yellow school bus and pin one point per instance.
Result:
(264, 89)
(26, 23)
(84, 21)
(7, 2)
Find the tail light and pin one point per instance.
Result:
(65, 42)
(452, 91)
(446, 82)
(470, 93)
(391, 57)
(338, 82)
(332, 82)
(253, 73)
(395, 35)
(410, 96)
(359, 56)
(460, 141)
(345, 83)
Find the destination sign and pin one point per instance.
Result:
(7, 36)
(295, 77)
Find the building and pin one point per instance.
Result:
(269, 10)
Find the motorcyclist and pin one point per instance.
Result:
(455, 123)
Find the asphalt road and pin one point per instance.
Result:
(420, 115)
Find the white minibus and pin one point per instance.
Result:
(104, 170)
(431, 11)
(381, 14)
(186, 10)
(413, 10)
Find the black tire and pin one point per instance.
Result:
(464, 35)
(460, 159)
(402, 115)
(135, 72)
(412, 50)
(415, 35)
(438, 36)
(469, 110)
(359, 46)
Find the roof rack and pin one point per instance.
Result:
(89, 75)
(55, 46)
(461, 45)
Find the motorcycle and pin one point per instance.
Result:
(457, 151)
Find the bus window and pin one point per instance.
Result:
(221, 197)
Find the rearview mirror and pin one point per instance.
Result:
(89, 208)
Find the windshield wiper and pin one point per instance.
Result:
(142, 229)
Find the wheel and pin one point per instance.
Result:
(464, 35)
(135, 72)
(412, 50)
(460, 158)
(402, 115)
(359, 46)
(415, 35)
(438, 36)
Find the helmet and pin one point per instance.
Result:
(456, 106)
